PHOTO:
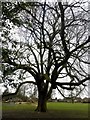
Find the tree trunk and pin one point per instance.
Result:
(42, 99)
(42, 104)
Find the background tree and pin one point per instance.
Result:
(49, 41)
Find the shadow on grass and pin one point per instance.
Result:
(50, 115)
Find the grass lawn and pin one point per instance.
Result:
(75, 110)
(55, 110)
(18, 107)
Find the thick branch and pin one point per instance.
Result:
(34, 57)
(11, 94)
(73, 84)
(49, 93)
(26, 67)
(63, 28)
(61, 92)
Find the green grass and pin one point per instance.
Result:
(55, 110)
(68, 106)
(12, 106)
(51, 106)
(75, 110)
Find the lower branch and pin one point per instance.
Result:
(72, 84)
(10, 94)
(61, 92)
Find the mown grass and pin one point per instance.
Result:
(12, 106)
(55, 110)
(75, 110)
(51, 106)
(68, 106)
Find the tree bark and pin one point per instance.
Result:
(42, 98)
(42, 103)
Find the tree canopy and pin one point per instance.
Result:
(49, 41)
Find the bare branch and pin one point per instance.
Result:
(73, 84)
(11, 94)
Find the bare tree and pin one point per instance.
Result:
(55, 46)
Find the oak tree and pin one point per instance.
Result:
(49, 41)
